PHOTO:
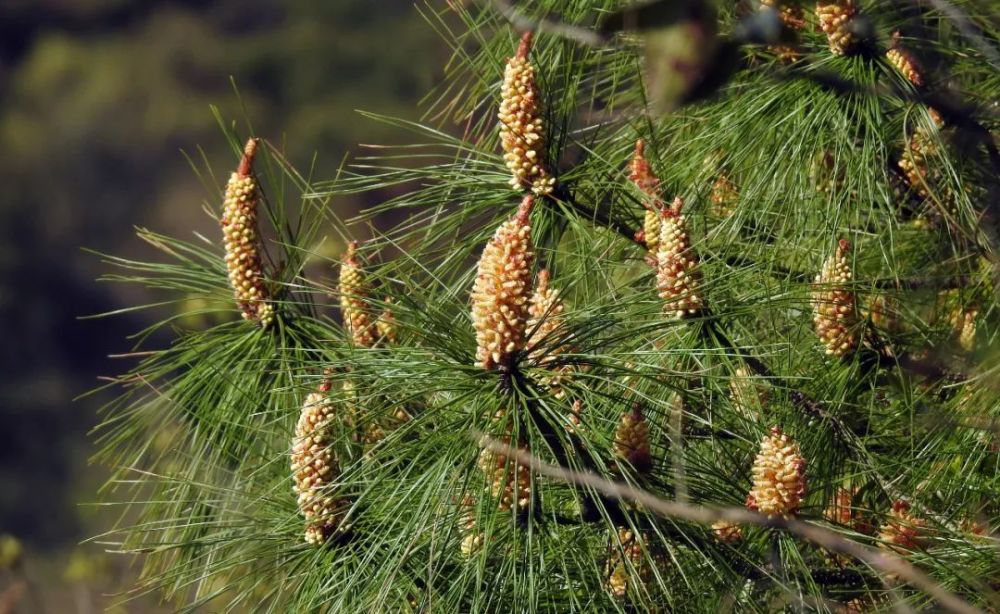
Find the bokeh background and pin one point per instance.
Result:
(98, 100)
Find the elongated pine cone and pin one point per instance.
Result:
(632, 439)
(377, 429)
(315, 468)
(522, 132)
(641, 174)
(834, 311)
(963, 321)
(748, 392)
(575, 413)
(724, 196)
(915, 162)
(792, 17)
(883, 311)
(779, 476)
(791, 14)
(902, 530)
(840, 510)
(727, 532)
(624, 554)
(242, 242)
(904, 61)
(835, 20)
(825, 174)
(353, 299)
(678, 279)
(507, 481)
(386, 324)
(472, 537)
(501, 294)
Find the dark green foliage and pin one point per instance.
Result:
(906, 416)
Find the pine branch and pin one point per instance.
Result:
(886, 563)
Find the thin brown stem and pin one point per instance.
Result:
(886, 562)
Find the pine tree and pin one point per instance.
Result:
(781, 302)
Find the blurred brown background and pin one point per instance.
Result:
(97, 100)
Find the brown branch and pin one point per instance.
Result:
(887, 563)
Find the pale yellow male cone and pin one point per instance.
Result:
(678, 278)
(778, 476)
(354, 309)
(502, 291)
(242, 242)
(314, 468)
(835, 313)
(641, 174)
(522, 129)
(835, 20)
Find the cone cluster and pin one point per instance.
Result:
(242, 242)
(724, 196)
(575, 413)
(353, 297)
(834, 312)
(502, 291)
(522, 131)
(791, 14)
(834, 19)
(314, 468)
(632, 439)
(825, 176)
(472, 538)
(779, 476)
(377, 430)
(678, 279)
(902, 530)
(883, 311)
(840, 510)
(641, 174)
(727, 532)
(386, 324)
(792, 17)
(621, 558)
(905, 62)
(507, 481)
(915, 162)
(963, 322)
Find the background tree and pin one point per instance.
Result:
(710, 253)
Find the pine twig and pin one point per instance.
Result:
(885, 562)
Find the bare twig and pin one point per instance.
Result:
(887, 563)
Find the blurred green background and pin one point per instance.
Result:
(97, 100)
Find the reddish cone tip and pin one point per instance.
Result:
(673, 209)
(524, 48)
(524, 211)
(246, 163)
